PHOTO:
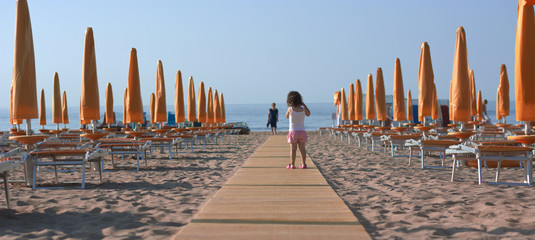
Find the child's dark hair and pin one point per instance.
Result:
(294, 99)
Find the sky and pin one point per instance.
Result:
(257, 51)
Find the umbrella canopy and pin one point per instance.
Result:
(435, 108)
(56, 101)
(125, 102)
(479, 112)
(345, 113)
(525, 62)
(152, 107)
(64, 111)
(370, 113)
(502, 100)
(398, 102)
(351, 102)
(110, 118)
(160, 108)
(134, 106)
(409, 106)
(11, 119)
(89, 98)
(23, 81)
(380, 98)
(201, 104)
(210, 107)
(425, 82)
(460, 105)
(42, 109)
(222, 104)
(192, 116)
(216, 107)
(473, 99)
(179, 99)
(358, 100)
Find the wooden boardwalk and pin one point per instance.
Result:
(264, 200)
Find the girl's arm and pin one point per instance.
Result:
(288, 112)
(307, 112)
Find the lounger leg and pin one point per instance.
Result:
(410, 155)
(422, 157)
(101, 163)
(6, 187)
(83, 175)
(479, 171)
(56, 173)
(453, 167)
(498, 170)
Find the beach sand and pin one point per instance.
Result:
(396, 201)
(153, 203)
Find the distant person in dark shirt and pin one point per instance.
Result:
(273, 118)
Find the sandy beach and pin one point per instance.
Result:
(396, 201)
(153, 203)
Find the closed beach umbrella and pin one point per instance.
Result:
(473, 99)
(479, 110)
(192, 116)
(210, 107)
(134, 106)
(380, 98)
(435, 108)
(222, 104)
(152, 107)
(460, 105)
(11, 119)
(409, 106)
(125, 102)
(216, 107)
(525, 62)
(179, 99)
(425, 82)
(351, 102)
(370, 111)
(398, 102)
(64, 110)
(110, 118)
(56, 101)
(42, 109)
(345, 115)
(502, 100)
(201, 104)
(358, 101)
(160, 108)
(23, 81)
(89, 97)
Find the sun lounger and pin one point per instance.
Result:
(429, 146)
(9, 161)
(397, 142)
(127, 147)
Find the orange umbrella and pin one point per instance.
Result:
(473, 99)
(351, 102)
(179, 99)
(345, 115)
(525, 62)
(435, 108)
(152, 107)
(216, 107)
(23, 81)
(479, 107)
(358, 101)
(125, 102)
(370, 113)
(42, 109)
(502, 101)
(134, 106)
(409, 106)
(398, 102)
(110, 118)
(56, 101)
(160, 108)
(425, 82)
(64, 112)
(11, 120)
(460, 82)
(89, 98)
(210, 107)
(192, 116)
(380, 98)
(222, 104)
(201, 104)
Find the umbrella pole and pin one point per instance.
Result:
(94, 126)
(28, 127)
(527, 130)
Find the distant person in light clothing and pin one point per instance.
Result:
(273, 118)
(297, 136)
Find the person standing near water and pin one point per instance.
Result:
(297, 136)
(273, 118)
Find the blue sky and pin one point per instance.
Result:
(257, 51)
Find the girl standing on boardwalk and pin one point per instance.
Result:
(297, 135)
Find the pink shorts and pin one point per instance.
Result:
(297, 137)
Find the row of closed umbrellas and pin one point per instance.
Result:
(23, 98)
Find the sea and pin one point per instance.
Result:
(254, 115)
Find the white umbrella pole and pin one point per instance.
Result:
(527, 130)
(28, 127)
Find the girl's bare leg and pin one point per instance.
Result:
(293, 153)
(303, 153)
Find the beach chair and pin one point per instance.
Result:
(494, 156)
(10, 161)
(397, 142)
(126, 147)
(439, 146)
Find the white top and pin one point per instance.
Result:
(297, 120)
